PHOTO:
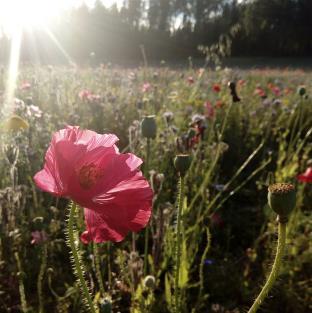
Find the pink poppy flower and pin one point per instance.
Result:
(25, 86)
(38, 237)
(146, 87)
(94, 98)
(306, 177)
(84, 94)
(88, 168)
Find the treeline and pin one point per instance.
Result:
(171, 29)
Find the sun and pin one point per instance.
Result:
(28, 14)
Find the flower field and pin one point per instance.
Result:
(146, 190)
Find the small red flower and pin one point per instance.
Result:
(88, 168)
(216, 88)
(260, 92)
(210, 111)
(190, 80)
(219, 104)
(306, 177)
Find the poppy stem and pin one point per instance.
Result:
(76, 260)
(98, 268)
(21, 287)
(148, 148)
(275, 268)
(44, 254)
(178, 244)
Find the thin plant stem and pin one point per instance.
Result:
(43, 266)
(76, 259)
(98, 268)
(178, 244)
(207, 177)
(275, 269)
(202, 262)
(21, 284)
(109, 268)
(147, 227)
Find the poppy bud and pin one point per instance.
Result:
(301, 91)
(282, 200)
(234, 95)
(149, 282)
(21, 275)
(149, 127)
(182, 163)
(38, 222)
(105, 305)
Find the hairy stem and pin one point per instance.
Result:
(98, 268)
(21, 283)
(275, 269)
(178, 245)
(78, 267)
(43, 266)
(147, 227)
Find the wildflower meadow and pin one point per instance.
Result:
(155, 156)
(145, 190)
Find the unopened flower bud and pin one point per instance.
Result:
(301, 91)
(282, 200)
(182, 163)
(21, 275)
(149, 127)
(38, 222)
(149, 282)
(105, 305)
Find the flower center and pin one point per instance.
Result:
(88, 175)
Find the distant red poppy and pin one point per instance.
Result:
(210, 111)
(190, 80)
(260, 92)
(84, 94)
(216, 88)
(88, 168)
(219, 103)
(25, 86)
(306, 177)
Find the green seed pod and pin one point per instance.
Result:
(149, 282)
(38, 222)
(282, 200)
(301, 91)
(105, 305)
(149, 127)
(182, 163)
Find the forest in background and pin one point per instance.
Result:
(170, 30)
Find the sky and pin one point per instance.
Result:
(34, 13)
